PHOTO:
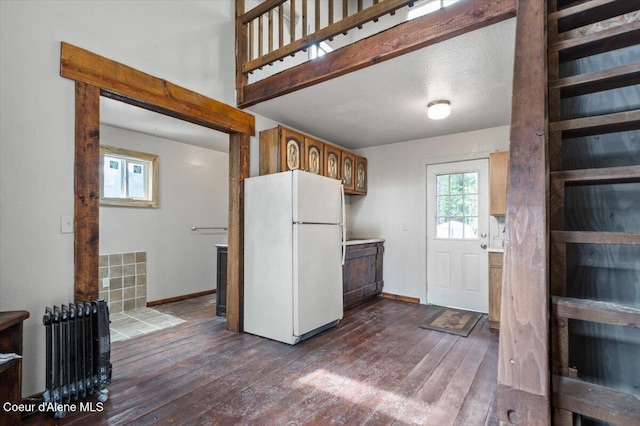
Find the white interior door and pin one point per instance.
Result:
(457, 234)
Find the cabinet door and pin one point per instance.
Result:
(332, 162)
(498, 169)
(292, 152)
(314, 155)
(361, 175)
(348, 167)
(495, 289)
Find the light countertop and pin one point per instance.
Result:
(495, 250)
(355, 241)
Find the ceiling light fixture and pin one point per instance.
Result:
(437, 110)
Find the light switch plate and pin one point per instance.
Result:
(66, 224)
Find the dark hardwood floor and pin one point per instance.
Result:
(376, 367)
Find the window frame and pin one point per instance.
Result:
(153, 178)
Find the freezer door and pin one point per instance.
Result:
(317, 277)
(316, 199)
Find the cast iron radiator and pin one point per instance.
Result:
(78, 352)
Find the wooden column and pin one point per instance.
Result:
(238, 171)
(523, 366)
(87, 192)
(242, 49)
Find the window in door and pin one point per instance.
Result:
(128, 178)
(457, 206)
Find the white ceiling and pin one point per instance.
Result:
(384, 103)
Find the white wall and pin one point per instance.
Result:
(397, 196)
(194, 190)
(190, 43)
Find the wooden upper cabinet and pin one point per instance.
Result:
(361, 175)
(499, 167)
(314, 153)
(283, 149)
(348, 171)
(332, 161)
(293, 152)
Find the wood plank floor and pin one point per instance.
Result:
(376, 367)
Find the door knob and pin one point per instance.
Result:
(483, 245)
(483, 235)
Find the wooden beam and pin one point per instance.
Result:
(87, 192)
(430, 29)
(524, 392)
(132, 86)
(590, 237)
(238, 171)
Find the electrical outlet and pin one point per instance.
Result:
(66, 224)
(105, 283)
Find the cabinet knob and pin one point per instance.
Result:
(483, 245)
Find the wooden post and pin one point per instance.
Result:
(523, 366)
(238, 171)
(87, 192)
(242, 50)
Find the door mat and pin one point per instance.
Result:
(454, 321)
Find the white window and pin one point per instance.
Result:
(319, 49)
(427, 6)
(457, 206)
(128, 178)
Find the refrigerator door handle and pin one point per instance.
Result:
(344, 225)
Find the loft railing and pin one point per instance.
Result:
(272, 32)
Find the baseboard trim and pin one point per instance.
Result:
(179, 298)
(401, 298)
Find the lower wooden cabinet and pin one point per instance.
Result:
(495, 288)
(362, 273)
(221, 277)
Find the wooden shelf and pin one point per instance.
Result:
(625, 174)
(599, 81)
(596, 311)
(590, 12)
(595, 401)
(586, 237)
(596, 125)
(599, 42)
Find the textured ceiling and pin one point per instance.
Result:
(381, 104)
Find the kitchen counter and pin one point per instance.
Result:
(495, 250)
(356, 241)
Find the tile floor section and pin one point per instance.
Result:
(135, 322)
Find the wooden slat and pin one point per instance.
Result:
(270, 30)
(330, 31)
(603, 175)
(304, 18)
(427, 30)
(599, 42)
(316, 26)
(345, 9)
(292, 30)
(330, 12)
(238, 171)
(586, 237)
(524, 391)
(260, 36)
(87, 192)
(281, 25)
(596, 311)
(608, 123)
(598, 81)
(592, 11)
(144, 90)
(242, 50)
(596, 401)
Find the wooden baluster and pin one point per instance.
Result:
(292, 21)
(359, 5)
(304, 18)
(260, 37)
(331, 12)
(251, 54)
(281, 26)
(271, 30)
(317, 23)
(345, 9)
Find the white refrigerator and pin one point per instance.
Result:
(293, 254)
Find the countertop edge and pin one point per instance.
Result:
(364, 241)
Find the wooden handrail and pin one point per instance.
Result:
(260, 9)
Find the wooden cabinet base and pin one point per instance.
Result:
(362, 273)
(495, 288)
